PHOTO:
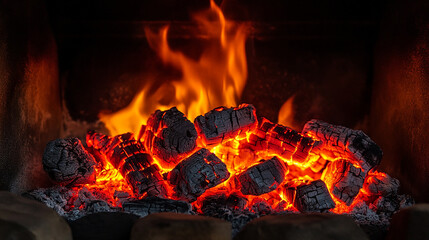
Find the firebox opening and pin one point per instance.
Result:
(216, 103)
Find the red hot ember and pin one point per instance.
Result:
(282, 141)
(222, 124)
(262, 178)
(311, 197)
(200, 171)
(169, 136)
(129, 157)
(231, 153)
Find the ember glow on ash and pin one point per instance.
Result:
(199, 150)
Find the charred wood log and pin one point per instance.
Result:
(129, 157)
(67, 162)
(262, 178)
(312, 197)
(146, 206)
(344, 180)
(122, 196)
(380, 184)
(343, 142)
(106, 146)
(222, 200)
(239, 217)
(387, 205)
(148, 180)
(201, 171)
(169, 136)
(222, 124)
(280, 140)
(261, 207)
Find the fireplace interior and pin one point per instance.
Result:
(137, 107)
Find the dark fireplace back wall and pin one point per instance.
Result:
(362, 64)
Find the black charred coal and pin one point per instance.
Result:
(146, 206)
(122, 197)
(387, 205)
(169, 136)
(232, 201)
(222, 123)
(129, 156)
(312, 197)
(405, 201)
(197, 173)
(345, 143)
(281, 140)
(122, 151)
(147, 181)
(98, 144)
(68, 163)
(223, 207)
(344, 180)
(236, 202)
(237, 218)
(262, 208)
(381, 185)
(262, 178)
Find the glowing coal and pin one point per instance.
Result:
(280, 169)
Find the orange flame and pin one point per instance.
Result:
(109, 181)
(286, 113)
(217, 78)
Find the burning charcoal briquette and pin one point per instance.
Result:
(387, 205)
(169, 136)
(381, 184)
(148, 180)
(342, 142)
(283, 141)
(129, 157)
(201, 171)
(225, 123)
(312, 197)
(261, 207)
(344, 180)
(232, 201)
(221, 206)
(146, 206)
(262, 178)
(67, 162)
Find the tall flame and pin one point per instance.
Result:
(217, 78)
